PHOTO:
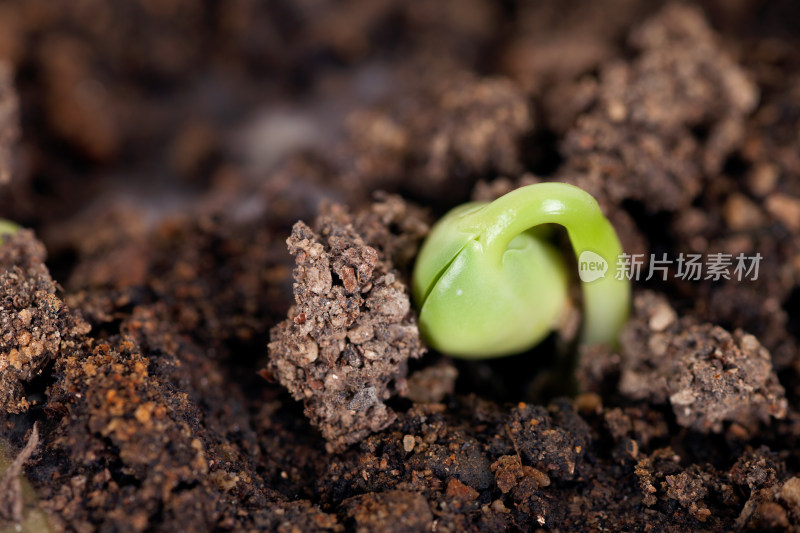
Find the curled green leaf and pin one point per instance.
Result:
(488, 284)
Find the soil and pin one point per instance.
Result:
(206, 324)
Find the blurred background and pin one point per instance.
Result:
(162, 101)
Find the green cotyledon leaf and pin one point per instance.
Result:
(7, 228)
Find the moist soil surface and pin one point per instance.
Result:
(206, 324)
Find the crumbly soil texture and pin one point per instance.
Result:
(206, 323)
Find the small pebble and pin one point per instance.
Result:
(663, 317)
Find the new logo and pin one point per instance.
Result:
(591, 266)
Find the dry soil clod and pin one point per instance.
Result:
(344, 347)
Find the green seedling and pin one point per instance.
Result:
(7, 228)
(487, 283)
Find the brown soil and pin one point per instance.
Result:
(167, 363)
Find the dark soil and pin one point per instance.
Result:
(167, 363)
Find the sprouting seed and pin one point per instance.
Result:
(487, 283)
